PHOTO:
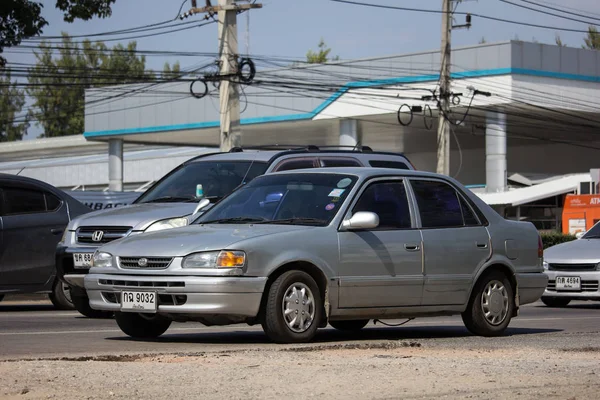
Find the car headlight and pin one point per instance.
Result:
(64, 236)
(167, 224)
(215, 259)
(102, 260)
(545, 265)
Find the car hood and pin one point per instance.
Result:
(574, 252)
(138, 216)
(191, 239)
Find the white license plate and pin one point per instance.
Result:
(138, 301)
(568, 283)
(82, 260)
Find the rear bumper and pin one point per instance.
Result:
(590, 288)
(531, 286)
(240, 296)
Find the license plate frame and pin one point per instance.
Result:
(139, 301)
(82, 260)
(568, 283)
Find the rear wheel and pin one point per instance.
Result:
(349, 325)
(555, 301)
(491, 306)
(61, 296)
(82, 304)
(293, 308)
(142, 327)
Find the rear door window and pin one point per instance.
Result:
(22, 201)
(339, 162)
(388, 164)
(439, 204)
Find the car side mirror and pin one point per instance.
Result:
(203, 203)
(361, 220)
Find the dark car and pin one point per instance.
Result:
(33, 218)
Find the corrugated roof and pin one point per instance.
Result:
(516, 197)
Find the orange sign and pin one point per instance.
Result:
(582, 200)
(580, 212)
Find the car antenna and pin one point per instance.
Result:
(249, 167)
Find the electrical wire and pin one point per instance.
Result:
(555, 28)
(545, 12)
(561, 10)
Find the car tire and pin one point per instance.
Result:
(61, 296)
(555, 301)
(292, 294)
(349, 325)
(82, 304)
(491, 305)
(140, 327)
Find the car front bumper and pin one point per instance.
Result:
(200, 295)
(66, 267)
(589, 285)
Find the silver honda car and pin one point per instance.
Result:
(296, 250)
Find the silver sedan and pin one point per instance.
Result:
(296, 250)
(573, 270)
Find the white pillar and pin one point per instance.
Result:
(495, 152)
(349, 132)
(115, 165)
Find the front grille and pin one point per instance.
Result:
(155, 284)
(89, 234)
(163, 299)
(586, 286)
(572, 267)
(150, 263)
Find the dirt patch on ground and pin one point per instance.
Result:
(369, 371)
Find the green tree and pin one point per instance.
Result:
(559, 42)
(592, 41)
(482, 40)
(321, 56)
(21, 19)
(12, 99)
(62, 72)
(171, 72)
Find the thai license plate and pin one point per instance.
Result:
(82, 260)
(568, 283)
(138, 301)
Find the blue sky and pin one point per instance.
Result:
(289, 28)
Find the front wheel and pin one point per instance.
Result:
(293, 308)
(491, 306)
(350, 325)
(61, 296)
(142, 327)
(82, 304)
(555, 301)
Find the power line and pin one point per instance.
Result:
(564, 10)
(545, 12)
(555, 28)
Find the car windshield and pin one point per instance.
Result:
(593, 233)
(298, 199)
(203, 179)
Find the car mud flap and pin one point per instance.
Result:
(327, 307)
(516, 311)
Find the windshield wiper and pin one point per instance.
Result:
(233, 220)
(591, 237)
(166, 199)
(297, 220)
(213, 199)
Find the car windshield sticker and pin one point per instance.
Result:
(335, 199)
(336, 192)
(344, 182)
(330, 206)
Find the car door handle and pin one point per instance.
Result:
(411, 247)
(55, 231)
(482, 245)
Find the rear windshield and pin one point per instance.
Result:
(210, 179)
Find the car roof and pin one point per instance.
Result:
(270, 155)
(363, 172)
(25, 179)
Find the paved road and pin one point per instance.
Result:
(35, 329)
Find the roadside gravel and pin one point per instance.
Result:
(374, 370)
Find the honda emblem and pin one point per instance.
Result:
(97, 236)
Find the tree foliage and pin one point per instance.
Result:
(559, 42)
(62, 72)
(592, 41)
(21, 19)
(12, 99)
(321, 56)
(171, 72)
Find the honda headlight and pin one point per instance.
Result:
(167, 224)
(545, 265)
(102, 260)
(215, 259)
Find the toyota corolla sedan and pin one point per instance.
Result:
(294, 251)
(573, 270)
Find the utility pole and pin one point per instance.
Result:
(229, 104)
(443, 134)
(229, 94)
